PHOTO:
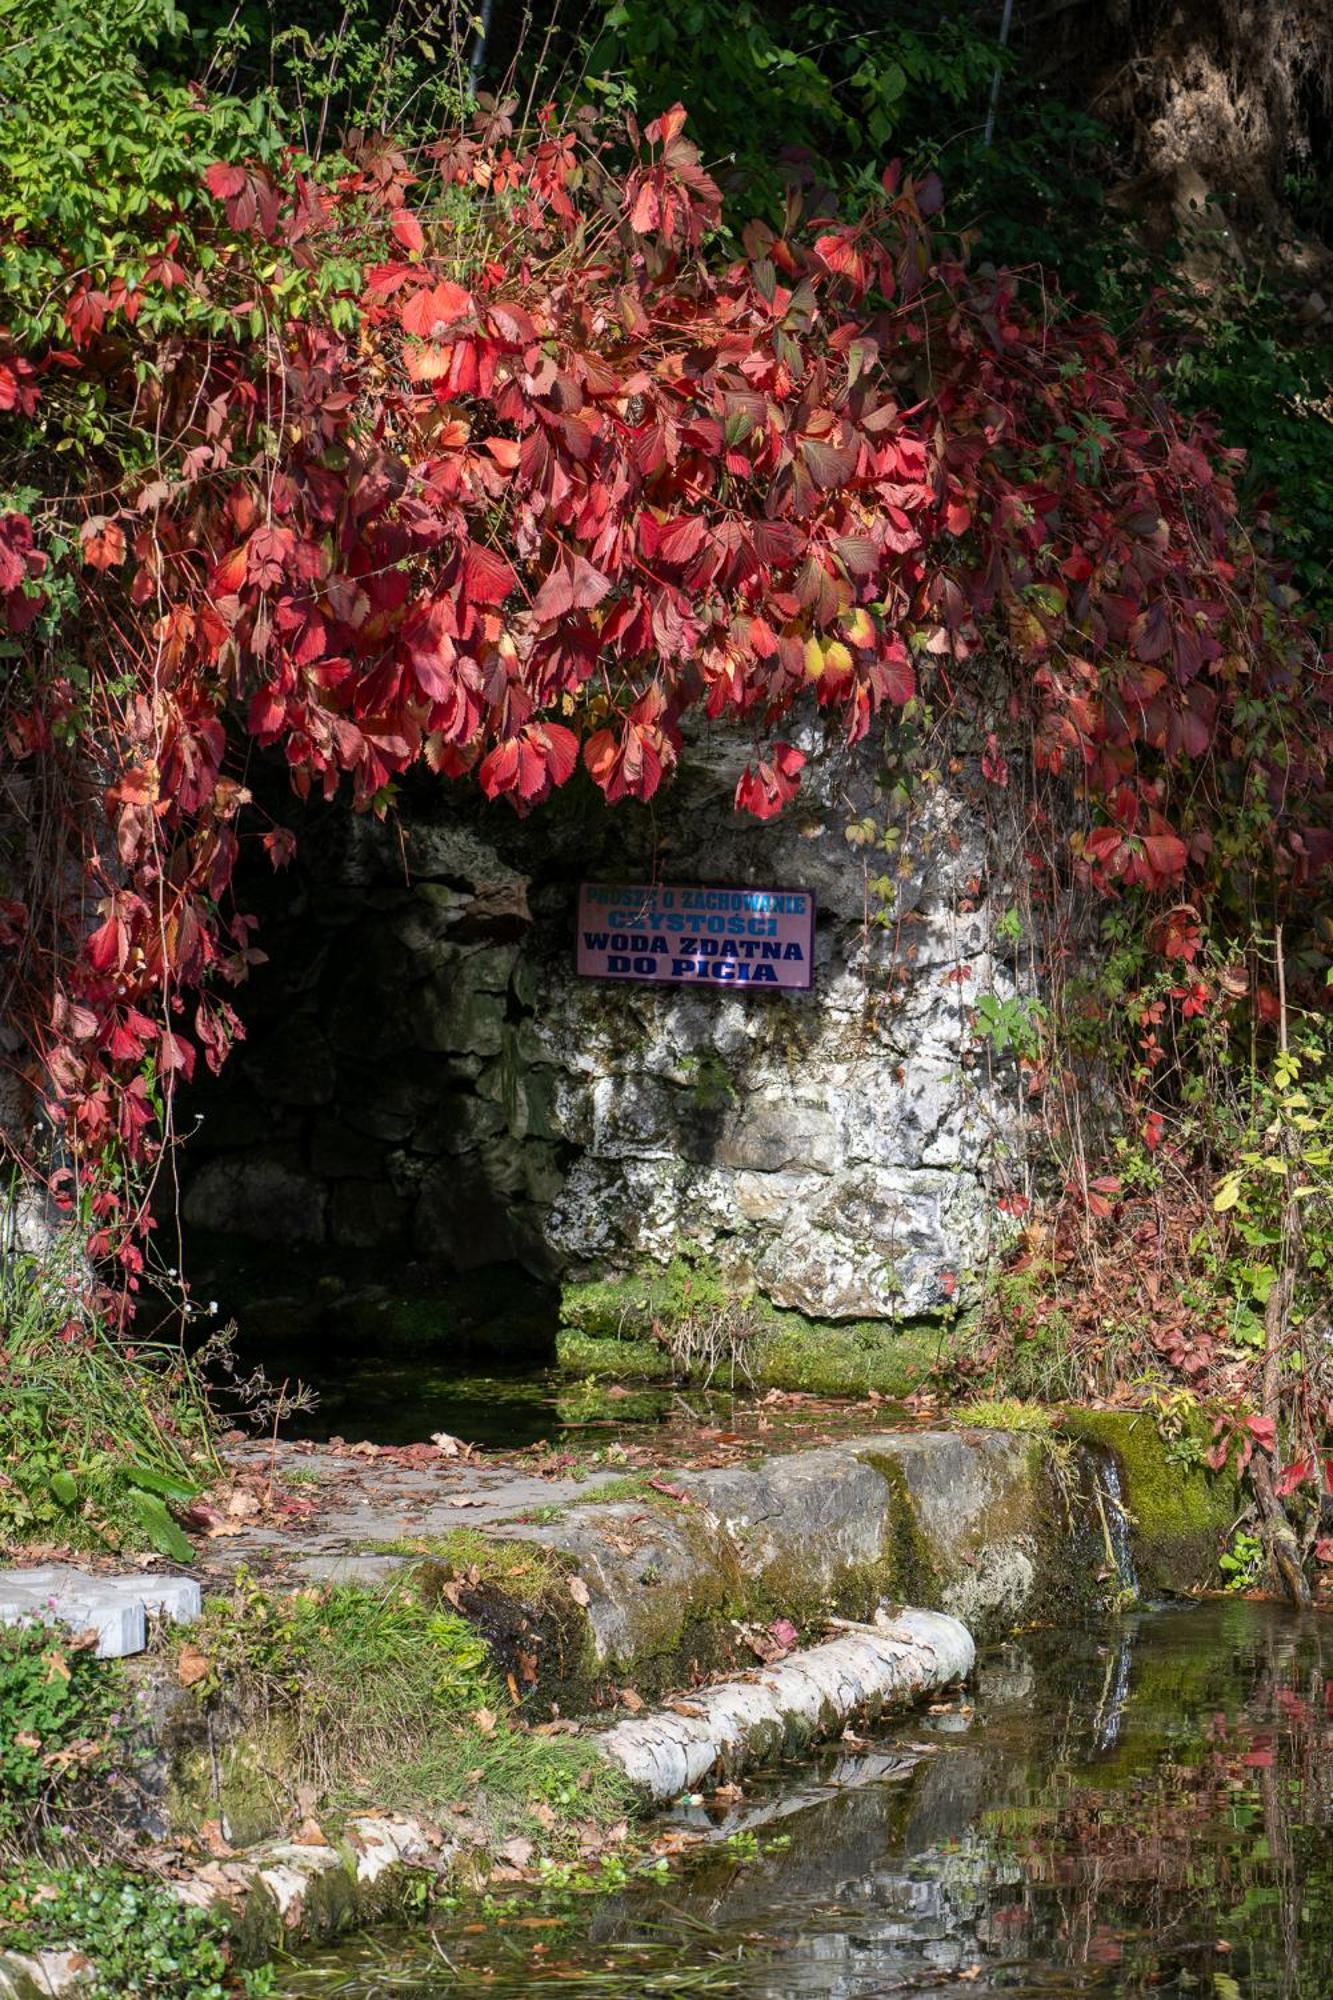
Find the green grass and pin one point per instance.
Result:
(386, 1698)
(1005, 1413)
(629, 1486)
(98, 1440)
(522, 1569)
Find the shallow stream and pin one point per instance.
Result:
(1145, 1808)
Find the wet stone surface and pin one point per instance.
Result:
(1144, 1808)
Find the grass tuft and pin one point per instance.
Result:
(99, 1439)
(384, 1698)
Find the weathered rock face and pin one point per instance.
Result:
(426, 1075)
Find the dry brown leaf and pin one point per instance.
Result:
(579, 1591)
(465, 1500)
(215, 1841)
(484, 1720)
(518, 1852)
(192, 1666)
(630, 1700)
(309, 1834)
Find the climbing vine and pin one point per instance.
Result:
(489, 459)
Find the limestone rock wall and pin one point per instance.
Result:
(425, 1075)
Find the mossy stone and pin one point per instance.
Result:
(1180, 1513)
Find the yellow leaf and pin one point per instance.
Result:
(1228, 1194)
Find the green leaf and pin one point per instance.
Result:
(65, 1488)
(169, 1484)
(163, 1533)
(1228, 1194)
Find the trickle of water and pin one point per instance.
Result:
(1115, 1522)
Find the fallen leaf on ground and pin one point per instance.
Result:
(309, 1834)
(484, 1720)
(579, 1591)
(192, 1666)
(465, 1500)
(630, 1700)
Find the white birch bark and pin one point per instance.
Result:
(783, 1707)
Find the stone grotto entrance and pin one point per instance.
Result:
(433, 1123)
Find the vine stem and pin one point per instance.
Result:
(1284, 1554)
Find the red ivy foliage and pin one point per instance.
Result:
(555, 474)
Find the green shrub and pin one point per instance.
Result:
(61, 1733)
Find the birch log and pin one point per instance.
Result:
(782, 1708)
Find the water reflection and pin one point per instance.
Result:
(1143, 1810)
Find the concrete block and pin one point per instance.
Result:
(115, 1607)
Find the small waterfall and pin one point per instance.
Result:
(1114, 1523)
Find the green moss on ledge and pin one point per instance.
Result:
(832, 1358)
(626, 1326)
(1180, 1514)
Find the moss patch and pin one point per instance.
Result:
(623, 1326)
(1180, 1513)
(593, 1358)
(838, 1359)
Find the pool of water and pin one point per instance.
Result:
(1141, 1809)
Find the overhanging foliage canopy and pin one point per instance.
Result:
(487, 459)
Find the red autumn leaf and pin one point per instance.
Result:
(897, 676)
(571, 586)
(103, 542)
(428, 641)
(1293, 1475)
(225, 182)
(528, 765)
(407, 231)
(1264, 1432)
(487, 577)
(435, 312)
(108, 946)
(763, 789)
(280, 845)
